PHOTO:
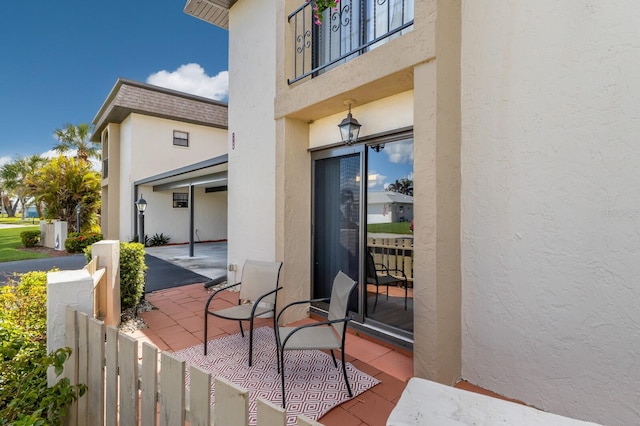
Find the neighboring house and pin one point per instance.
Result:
(389, 207)
(170, 148)
(525, 154)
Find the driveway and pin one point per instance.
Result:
(168, 266)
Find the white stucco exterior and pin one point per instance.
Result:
(251, 130)
(148, 142)
(551, 204)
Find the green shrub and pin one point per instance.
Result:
(25, 398)
(132, 273)
(76, 242)
(30, 238)
(158, 240)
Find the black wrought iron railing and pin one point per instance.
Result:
(351, 29)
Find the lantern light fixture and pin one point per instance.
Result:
(349, 127)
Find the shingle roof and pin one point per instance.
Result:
(128, 96)
(388, 197)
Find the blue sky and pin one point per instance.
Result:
(60, 59)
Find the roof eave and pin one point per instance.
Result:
(215, 12)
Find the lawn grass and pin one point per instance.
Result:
(18, 221)
(389, 228)
(10, 242)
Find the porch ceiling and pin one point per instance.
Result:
(215, 12)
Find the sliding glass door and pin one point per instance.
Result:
(336, 219)
(362, 225)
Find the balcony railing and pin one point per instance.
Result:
(356, 27)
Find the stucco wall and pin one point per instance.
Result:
(146, 149)
(251, 131)
(154, 151)
(126, 183)
(551, 204)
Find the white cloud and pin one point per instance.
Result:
(53, 154)
(192, 78)
(376, 181)
(5, 160)
(399, 152)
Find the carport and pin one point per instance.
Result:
(210, 175)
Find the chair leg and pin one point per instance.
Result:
(335, 363)
(241, 330)
(250, 342)
(376, 302)
(387, 291)
(206, 322)
(344, 371)
(281, 361)
(275, 334)
(406, 290)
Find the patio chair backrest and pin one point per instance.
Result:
(258, 278)
(339, 303)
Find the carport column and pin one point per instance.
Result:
(108, 253)
(192, 207)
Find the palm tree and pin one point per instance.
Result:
(15, 176)
(76, 138)
(402, 186)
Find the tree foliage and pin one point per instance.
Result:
(76, 138)
(25, 398)
(64, 183)
(402, 186)
(15, 176)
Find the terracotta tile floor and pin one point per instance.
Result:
(178, 324)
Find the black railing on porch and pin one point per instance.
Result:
(354, 28)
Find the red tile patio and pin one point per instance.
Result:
(177, 323)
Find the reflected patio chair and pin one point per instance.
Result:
(259, 284)
(380, 275)
(328, 334)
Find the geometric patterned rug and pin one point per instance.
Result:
(313, 385)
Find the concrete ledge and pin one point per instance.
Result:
(424, 402)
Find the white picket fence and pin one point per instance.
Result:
(124, 389)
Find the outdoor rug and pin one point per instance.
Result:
(313, 385)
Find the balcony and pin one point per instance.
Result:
(352, 29)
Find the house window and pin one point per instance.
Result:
(180, 138)
(180, 200)
(105, 154)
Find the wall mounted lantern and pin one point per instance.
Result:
(349, 127)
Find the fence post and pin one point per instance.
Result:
(65, 288)
(232, 404)
(108, 253)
